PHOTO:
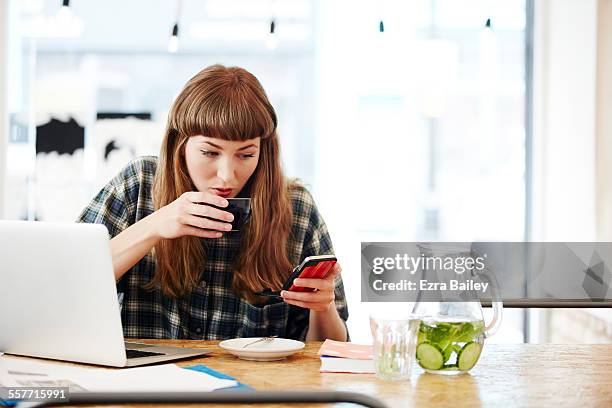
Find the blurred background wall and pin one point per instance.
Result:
(421, 120)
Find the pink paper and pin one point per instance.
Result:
(346, 350)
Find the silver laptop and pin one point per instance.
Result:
(58, 297)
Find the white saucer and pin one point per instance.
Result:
(271, 350)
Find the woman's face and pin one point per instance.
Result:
(219, 166)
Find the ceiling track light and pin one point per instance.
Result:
(272, 37)
(272, 40)
(173, 41)
(381, 26)
(65, 3)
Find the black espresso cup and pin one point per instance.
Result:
(240, 208)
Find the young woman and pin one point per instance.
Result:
(181, 275)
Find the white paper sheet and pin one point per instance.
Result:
(346, 365)
(159, 378)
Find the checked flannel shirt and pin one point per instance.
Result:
(211, 311)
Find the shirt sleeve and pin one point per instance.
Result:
(108, 208)
(115, 206)
(316, 242)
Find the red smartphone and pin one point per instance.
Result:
(312, 267)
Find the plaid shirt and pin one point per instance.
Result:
(212, 310)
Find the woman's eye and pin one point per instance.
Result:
(208, 153)
(247, 155)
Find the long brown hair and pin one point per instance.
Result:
(227, 103)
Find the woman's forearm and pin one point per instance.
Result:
(326, 325)
(131, 245)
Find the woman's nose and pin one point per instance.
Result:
(225, 171)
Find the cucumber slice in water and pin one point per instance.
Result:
(429, 356)
(468, 356)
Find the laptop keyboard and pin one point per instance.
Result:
(140, 353)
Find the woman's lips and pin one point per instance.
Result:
(223, 192)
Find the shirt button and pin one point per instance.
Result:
(202, 284)
(199, 330)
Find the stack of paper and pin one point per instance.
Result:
(15, 372)
(341, 357)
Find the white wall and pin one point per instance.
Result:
(572, 135)
(3, 98)
(565, 57)
(604, 120)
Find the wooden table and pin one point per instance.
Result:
(517, 375)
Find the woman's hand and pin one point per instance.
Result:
(322, 299)
(185, 216)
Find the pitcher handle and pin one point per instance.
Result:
(496, 302)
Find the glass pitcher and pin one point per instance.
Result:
(452, 328)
